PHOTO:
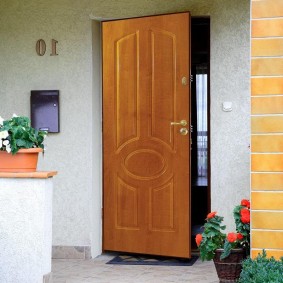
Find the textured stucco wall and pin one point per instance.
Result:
(230, 131)
(25, 229)
(75, 152)
(22, 23)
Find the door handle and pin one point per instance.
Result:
(184, 131)
(181, 123)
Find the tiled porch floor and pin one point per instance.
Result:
(95, 270)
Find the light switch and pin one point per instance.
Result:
(227, 106)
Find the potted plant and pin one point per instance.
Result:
(226, 250)
(19, 145)
(262, 269)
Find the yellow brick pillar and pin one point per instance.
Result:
(267, 127)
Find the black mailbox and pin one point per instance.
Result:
(44, 105)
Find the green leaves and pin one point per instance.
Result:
(243, 228)
(21, 134)
(261, 270)
(212, 237)
(227, 250)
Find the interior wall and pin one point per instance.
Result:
(76, 151)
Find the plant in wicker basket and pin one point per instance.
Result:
(227, 251)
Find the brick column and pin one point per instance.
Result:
(267, 127)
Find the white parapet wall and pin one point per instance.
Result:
(25, 227)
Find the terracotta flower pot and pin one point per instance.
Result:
(229, 269)
(25, 160)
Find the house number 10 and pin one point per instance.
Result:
(40, 47)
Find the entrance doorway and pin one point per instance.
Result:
(124, 197)
(200, 153)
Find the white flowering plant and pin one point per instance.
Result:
(17, 133)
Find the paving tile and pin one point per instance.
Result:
(96, 270)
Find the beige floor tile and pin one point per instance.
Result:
(97, 271)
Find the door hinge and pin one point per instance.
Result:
(191, 78)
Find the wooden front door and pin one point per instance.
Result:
(146, 165)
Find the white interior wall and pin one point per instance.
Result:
(76, 151)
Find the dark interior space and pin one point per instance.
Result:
(200, 163)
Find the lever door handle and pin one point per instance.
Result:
(181, 123)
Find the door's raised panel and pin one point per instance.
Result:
(161, 209)
(126, 69)
(145, 164)
(163, 84)
(127, 206)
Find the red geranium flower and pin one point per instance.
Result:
(246, 203)
(198, 239)
(211, 214)
(245, 215)
(232, 237)
(240, 236)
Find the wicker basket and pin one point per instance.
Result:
(229, 269)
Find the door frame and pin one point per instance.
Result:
(174, 179)
(97, 137)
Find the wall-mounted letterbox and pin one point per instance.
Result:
(44, 105)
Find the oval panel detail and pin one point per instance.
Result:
(145, 164)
